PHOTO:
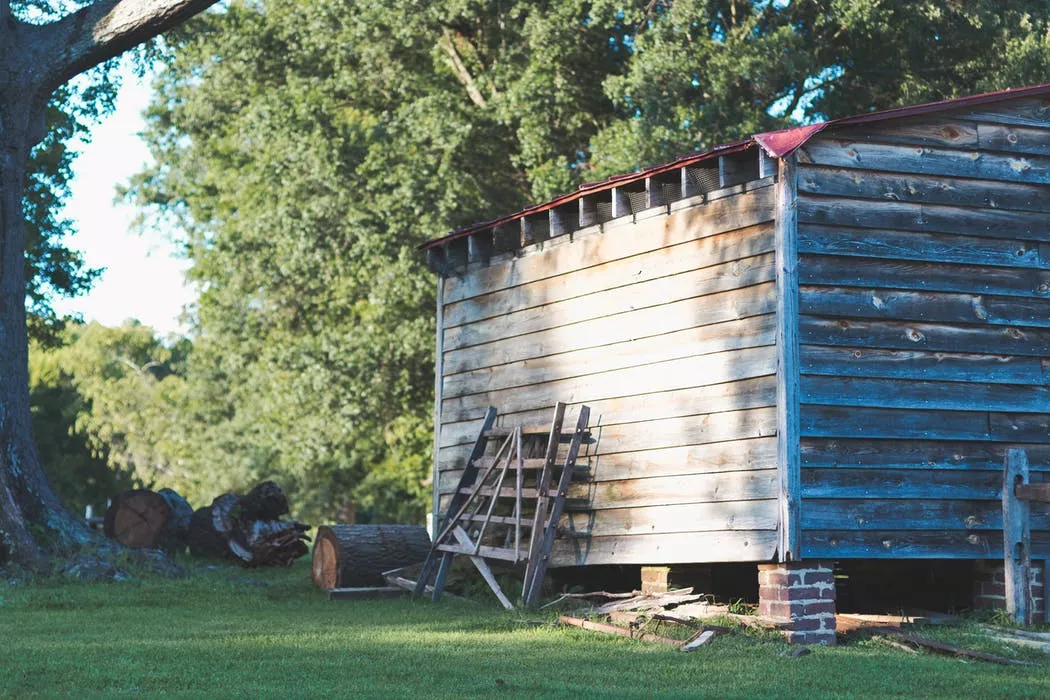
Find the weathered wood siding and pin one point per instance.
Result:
(924, 268)
(665, 327)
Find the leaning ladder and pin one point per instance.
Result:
(491, 518)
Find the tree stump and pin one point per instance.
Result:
(347, 556)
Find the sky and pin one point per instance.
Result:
(143, 278)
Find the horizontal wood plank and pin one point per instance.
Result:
(917, 364)
(892, 335)
(690, 517)
(573, 330)
(915, 454)
(925, 218)
(712, 253)
(670, 548)
(922, 394)
(639, 382)
(670, 432)
(718, 216)
(690, 401)
(852, 422)
(932, 307)
(736, 455)
(887, 244)
(901, 483)
(533, 359)
(926, 160)
(836, 270)
(926, 189)
(909, 514)
(912, 544)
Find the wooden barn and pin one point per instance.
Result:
(809, 346)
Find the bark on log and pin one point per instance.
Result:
(357, 555)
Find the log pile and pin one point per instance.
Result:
(247, 528)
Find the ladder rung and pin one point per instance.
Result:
(531, 430)
(505, 492)
(498, 519)
(485, 462)
(531, 465)
(486, 552)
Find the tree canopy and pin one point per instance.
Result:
(304, 150)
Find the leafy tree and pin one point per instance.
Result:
(39, 56)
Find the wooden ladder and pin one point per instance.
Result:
(491, 518)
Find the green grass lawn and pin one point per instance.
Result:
(234, 633)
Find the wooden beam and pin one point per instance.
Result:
(621, 204)
(1017, 539)
(439, 355)
(1033, 492)
(480, 247)
(788, 393)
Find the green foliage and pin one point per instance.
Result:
(305, 149)
(103, 405)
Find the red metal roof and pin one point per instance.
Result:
(775, 143)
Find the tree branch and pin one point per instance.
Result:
(107, 28)
(447, 43)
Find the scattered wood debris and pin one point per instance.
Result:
(618, 631)
(952, 649)
(699, 639)
(1040, 641)
(652, 602)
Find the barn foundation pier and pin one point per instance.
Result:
(802, 596)
(661, 579)
(989, 588)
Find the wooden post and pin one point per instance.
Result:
(1017, 539)
(788, 396)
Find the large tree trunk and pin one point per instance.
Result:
(34, 60)
(25, 495)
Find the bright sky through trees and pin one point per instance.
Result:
(142, 278)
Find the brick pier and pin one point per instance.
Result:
(989, 588)
(802, 596)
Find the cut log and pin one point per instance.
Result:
(146, 519)
(357, 555)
